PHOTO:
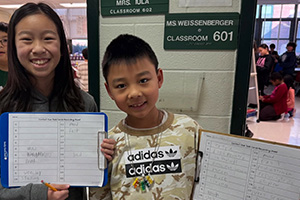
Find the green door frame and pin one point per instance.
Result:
(93, 45)
(243, 66)
(240, 95)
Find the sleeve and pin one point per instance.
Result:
(78, 72)
(89, 102)
(289, 62)
(276, 55)
(266, 96)
(291, 98)
(269, 63)
(277, 95)
(28, 192)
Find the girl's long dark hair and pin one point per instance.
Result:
(16, 95)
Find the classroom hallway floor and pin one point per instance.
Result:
(285, 131)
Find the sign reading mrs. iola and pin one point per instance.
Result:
(134, 7)
(201, 31)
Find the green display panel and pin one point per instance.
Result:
(201, 31)
(134, 7)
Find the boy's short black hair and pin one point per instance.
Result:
(3, 27)
(276, 76)
(292, 44)
(127, 48)
(272, 46)
(85, 53)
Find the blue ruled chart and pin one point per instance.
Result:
(56, 147)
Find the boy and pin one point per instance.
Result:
(155, 151)
(272, 106)
(288, 60)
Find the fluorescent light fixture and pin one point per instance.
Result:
(73, 5)
(11, 6)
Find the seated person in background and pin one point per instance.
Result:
(264, 64)
(289, 81)
(272, 106)
(288, 60)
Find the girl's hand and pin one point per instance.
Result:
(261, 98)
(61, 194)
(108, 148)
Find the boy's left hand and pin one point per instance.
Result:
(108, 148)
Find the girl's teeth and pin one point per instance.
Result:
(39, 62)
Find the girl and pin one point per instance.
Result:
(40, 79)
(264, 65)
(289, 81)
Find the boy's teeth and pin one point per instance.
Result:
(136, 105)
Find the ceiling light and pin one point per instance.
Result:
(73, 5)
(11, 6)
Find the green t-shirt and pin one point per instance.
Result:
(3, 78)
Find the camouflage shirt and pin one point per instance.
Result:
(169, 148)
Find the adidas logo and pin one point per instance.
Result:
(171, 153)
(172, 167)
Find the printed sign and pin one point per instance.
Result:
(149, 161)
(134, 7)
(201, 31)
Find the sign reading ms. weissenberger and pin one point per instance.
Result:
(201, 31)
(134, 7)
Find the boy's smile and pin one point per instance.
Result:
(134, 87)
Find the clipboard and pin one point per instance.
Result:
(62, 148)
(240, 168)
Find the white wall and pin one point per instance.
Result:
(5, 15)
(217, 67)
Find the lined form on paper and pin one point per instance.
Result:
(238, 168)
(58, 148)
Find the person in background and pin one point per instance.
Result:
(82, 72)
(256, 53)
(40, 79)
(288, 60)
(133, 80)
(274, 53)
(3, 54)
(289, 81)
(272, 106)
(264, 65)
